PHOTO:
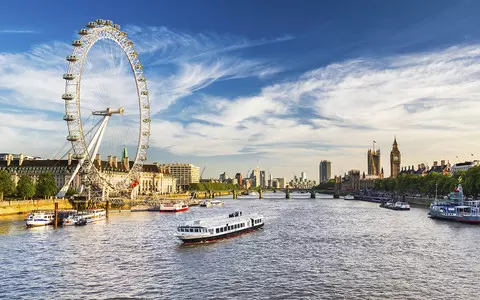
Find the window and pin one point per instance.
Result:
(216, 230)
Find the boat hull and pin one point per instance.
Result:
(173, 210)
(39, 223)
(210, 239)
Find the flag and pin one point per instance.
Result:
(374, 141)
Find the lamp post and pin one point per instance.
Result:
(436, 186)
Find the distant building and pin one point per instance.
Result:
(373, 158)
(238, 176)
(5, 156)
(263, 179)
(325, 170)
(255, 177)
(152, 179)
(185, 174)
(395, 160)
(422, 169)
(464, 166)
(352, 181)
(303, 176)
(281, 182)
(224, 177)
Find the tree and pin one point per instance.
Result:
(46, 185)
(6, 184)
(25, 187)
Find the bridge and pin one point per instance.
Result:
(235, 193)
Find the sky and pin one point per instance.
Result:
(236, 85)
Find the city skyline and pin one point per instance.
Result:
(281, 96)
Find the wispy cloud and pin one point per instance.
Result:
(17, 31)
(32, 81)
(430, 100)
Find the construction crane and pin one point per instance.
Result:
(247, 173)
(201, 174)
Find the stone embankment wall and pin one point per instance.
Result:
(24, 206)
(420, 201)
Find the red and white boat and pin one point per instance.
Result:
(173, 207)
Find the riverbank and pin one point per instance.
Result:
(419, 201)
(16, 207)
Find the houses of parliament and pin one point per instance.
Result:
(373, 158)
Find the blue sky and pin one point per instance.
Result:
(276, 84)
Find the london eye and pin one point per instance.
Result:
(103, 114)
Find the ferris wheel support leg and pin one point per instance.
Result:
(99, 138)
(94, 142)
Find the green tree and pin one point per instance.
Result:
(25, 187)
(46, 185)
(6, 184)
(472, 181)
(71, 191)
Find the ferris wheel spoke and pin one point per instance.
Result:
(105, 117)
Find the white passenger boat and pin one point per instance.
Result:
(40, 218)
(199, 231)
(206, 203)
(210, 203)
(92, 215)
(173, 207)
(70, 219)
(349, 197)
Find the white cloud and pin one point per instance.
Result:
(15, 31)
(31, 82)
(429, 100)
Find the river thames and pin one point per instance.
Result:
(309, 249)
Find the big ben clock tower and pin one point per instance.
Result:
(395, 160)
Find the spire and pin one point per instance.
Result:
(395, 141)
(124, 152)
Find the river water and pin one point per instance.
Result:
(309, 249)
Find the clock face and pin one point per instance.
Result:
(395, 158)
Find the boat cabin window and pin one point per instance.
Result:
(216, 230)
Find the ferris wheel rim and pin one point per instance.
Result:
(98, 31)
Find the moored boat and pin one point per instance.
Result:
(92, 215)
(206, 203)
(349, 197)
(396, 205)
(211, 203)
(200, 231)
(40, 218)
(455, 208)
(173, 207)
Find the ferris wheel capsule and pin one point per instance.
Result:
(73, 138)
(108, 22)
(68, 76)
(78, 156)
(100, 21)
(77, 43)
(67, 96)
(91, 25)
(83, 32)
(68, 117)
(116, 26)
(72, 58)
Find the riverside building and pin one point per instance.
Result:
(152, 179)
(184, 173)
(325, 171)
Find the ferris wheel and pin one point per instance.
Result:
(126, 112)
